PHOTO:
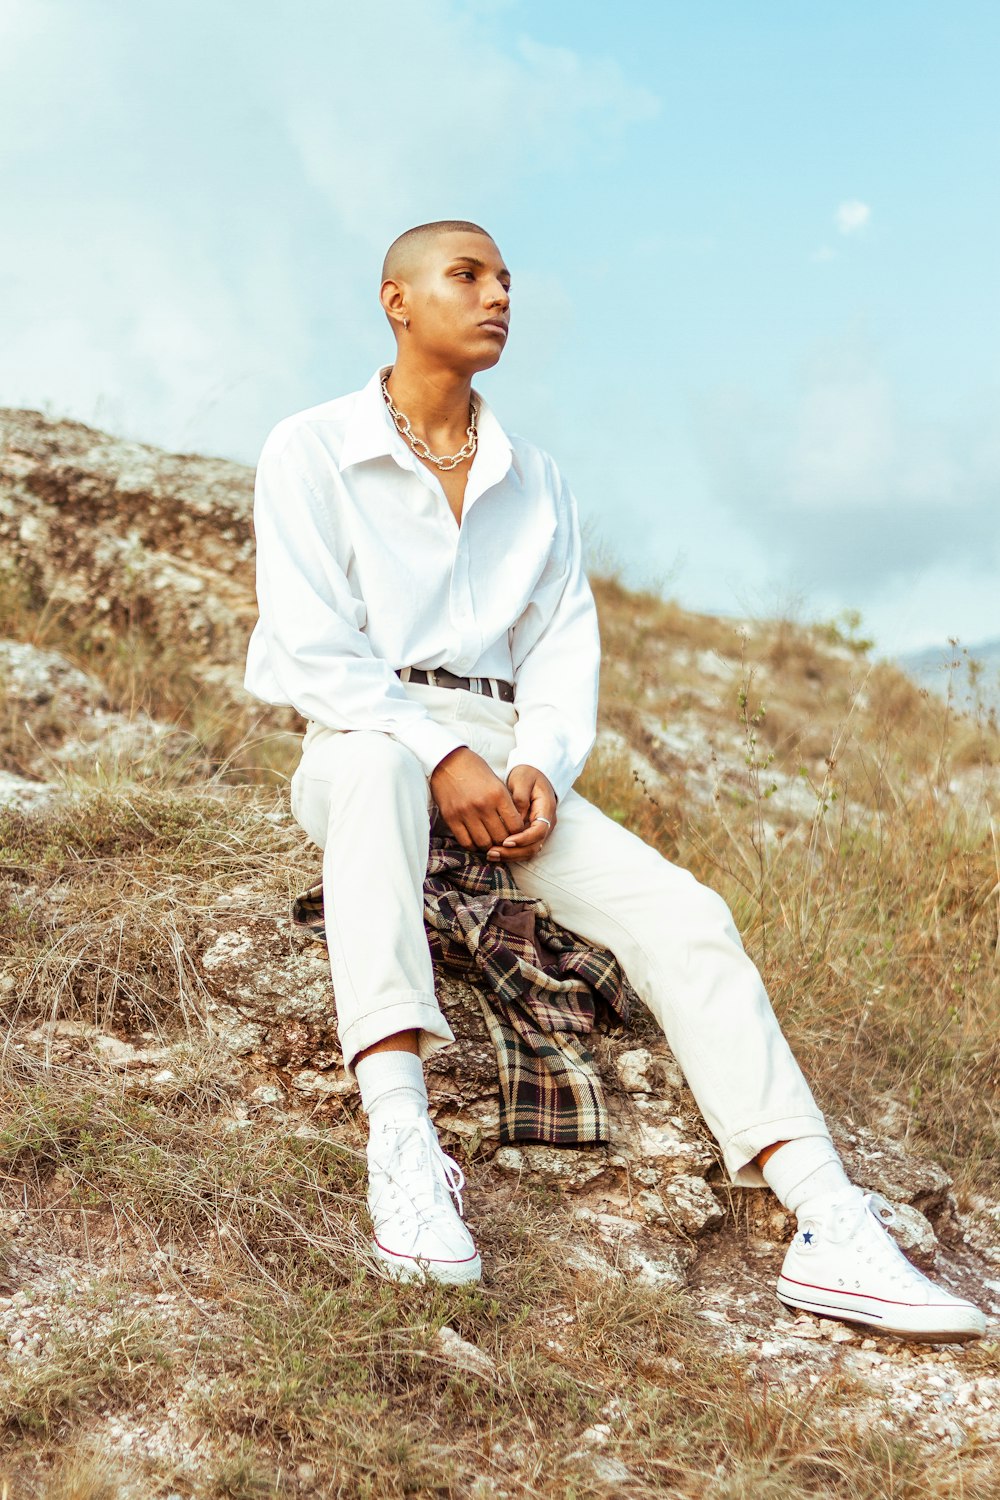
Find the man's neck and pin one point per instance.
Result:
(434, 399)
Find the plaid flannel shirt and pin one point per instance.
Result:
(542, 989)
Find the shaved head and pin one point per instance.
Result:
(446, 293)
(407, 249)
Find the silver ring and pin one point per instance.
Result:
(543, 820)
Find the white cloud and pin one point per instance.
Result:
(852, 216)
(852, 491)
(450, 124)
(199, 197)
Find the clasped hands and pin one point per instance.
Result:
(485, 814)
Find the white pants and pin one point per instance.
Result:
(364, 798)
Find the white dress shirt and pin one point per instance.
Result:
(362, 568)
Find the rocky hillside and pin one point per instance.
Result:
(188, 1304)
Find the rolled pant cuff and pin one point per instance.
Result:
(739, 1151)
(408, 1010)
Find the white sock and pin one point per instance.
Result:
(392, 1085)
(804, 1170)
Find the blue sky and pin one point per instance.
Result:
(754, 249)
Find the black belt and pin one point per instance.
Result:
(441, 677)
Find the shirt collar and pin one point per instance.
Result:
(371, 433)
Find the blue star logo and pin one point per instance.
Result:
(807, 1237)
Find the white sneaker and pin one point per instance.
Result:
(843, 1263)
(418, 1233)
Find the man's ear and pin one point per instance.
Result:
(392, 295)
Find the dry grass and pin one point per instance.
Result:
(83, 1474)
(875, 921)
(105, 896)
(820, 693)
(229, 736)
(317, 1368)
(125, 1363)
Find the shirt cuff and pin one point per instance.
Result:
(429, 741)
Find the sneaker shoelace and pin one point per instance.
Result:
(430, 1173)
(881, 1251)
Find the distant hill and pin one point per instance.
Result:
(973, 671)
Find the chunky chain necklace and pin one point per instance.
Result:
(420, 448)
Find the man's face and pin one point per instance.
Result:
(459, 298)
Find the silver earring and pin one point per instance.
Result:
(406, 322)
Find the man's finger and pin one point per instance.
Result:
(507, 819)
(514, 818)
(514, 856)
(542, 803)
(527, 846)
(518, 791)
(462, 834)
(535, 832)
(482, 837)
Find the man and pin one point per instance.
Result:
(423, 604)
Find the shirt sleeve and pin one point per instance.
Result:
(311, 621)
(556, 651)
